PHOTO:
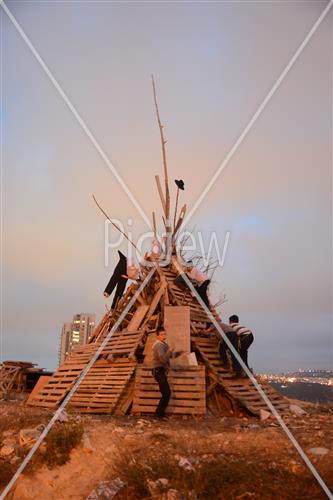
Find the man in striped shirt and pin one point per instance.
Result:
(245, 337)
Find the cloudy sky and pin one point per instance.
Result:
(214, 63)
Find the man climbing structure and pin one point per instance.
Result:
(244, 336)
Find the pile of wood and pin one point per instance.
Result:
(18, 376)
(120, 381)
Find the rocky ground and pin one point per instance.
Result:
(136, 458)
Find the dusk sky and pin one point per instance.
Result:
(213, 63)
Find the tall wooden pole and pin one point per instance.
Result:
(176, 209)
(165, 167)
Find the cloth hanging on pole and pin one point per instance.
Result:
(118, 280)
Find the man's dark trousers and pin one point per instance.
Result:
(160, 376)
(245, 343)
(233, 337)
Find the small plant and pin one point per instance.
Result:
(60, 441)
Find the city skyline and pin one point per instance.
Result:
(75, 333)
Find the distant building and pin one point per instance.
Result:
(76, 333)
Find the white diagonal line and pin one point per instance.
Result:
(208, 187)
(258, 387)
(258, 112)
(76, 114)
(1, 192)
(75, 387)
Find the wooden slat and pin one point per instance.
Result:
(103, 386)
(241, 390)
(188, 395)
(137, 319)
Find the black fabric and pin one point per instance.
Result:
(180, 184)
(244, 343)
(223, 348)
(160, 375)
(119, 291)
(181, 283)
(117, 280)
(202, 291)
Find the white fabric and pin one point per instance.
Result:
(240, 330)
(197, 275)
(132, 270)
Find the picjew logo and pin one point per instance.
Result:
(205, 248)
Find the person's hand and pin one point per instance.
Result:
(178, 353)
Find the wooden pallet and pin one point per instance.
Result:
(13, 375)
(102, 387)
(184, 298)
(241, 390)
(188, 392)
(55, 390)
(244, 391)
(120, 344)
(123, 343)
(125, 401)
(8, 375)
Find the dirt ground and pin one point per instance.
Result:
(256, 458)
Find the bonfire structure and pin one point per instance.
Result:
(120, 381)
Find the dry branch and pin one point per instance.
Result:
(115, 225)
(165, 166)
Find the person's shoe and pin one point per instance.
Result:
(162, 418)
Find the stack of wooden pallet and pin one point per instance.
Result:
(13, 376)
(120, 381)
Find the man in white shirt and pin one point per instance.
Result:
(198, 279)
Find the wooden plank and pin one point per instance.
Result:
(180, 220)
(126, 399)
(137, 318)
(177, 328)
(148, 350)
(160, 192)
(179, 394)
(177, 387)
(157, 297)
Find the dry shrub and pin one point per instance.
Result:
(60, 441)
(138, 469)
(219, 478)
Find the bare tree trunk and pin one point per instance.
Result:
(165, 167)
